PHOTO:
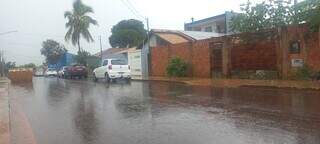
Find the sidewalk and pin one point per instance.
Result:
(233, 83)
(4, 111)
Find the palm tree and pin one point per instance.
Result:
(78, 23)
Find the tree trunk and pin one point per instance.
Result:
(79, 48)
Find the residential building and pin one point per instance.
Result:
(163, 38)
(279, 56)
(217, 24)
(112, 53)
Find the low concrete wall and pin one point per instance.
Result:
(4, 112)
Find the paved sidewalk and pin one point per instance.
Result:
(232, 83)
(4, 111)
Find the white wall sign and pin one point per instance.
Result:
(297, 62)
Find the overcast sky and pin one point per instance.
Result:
(38, 20)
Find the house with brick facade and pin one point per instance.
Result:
(167, 38)
(288, 49)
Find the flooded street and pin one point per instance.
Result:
(56, 111)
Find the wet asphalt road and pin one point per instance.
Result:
(56, 111)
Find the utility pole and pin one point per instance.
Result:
(147, 19)
(2, 63)
(148, 49)
(101, 49)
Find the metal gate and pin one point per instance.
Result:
(216, 59)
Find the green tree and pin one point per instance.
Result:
(265, 15)
(309, 11)
(10, 65)
(52, 50)
(82, 57)
(127, 33)
(29, 65)
(79, 23)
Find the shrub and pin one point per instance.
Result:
(177, 67)
(303, 73)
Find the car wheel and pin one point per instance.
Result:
(95, 79)
(127, 80)
(107, 78)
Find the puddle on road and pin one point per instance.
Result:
(83, 112)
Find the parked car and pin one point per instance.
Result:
(62, 72)
(76, 70)
(111, 69)
(51, 72)
(38, 72)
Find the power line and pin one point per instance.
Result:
(3, 33)
(135, 9)
(132, 9)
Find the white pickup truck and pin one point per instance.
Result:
(111, 69)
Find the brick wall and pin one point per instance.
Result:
(195, 54)
(313, 52)
(256, 56)
(263, 55)
(201, 59)
(309, 43)
(159, 60)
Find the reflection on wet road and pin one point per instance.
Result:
(82, 112)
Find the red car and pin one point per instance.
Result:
(76, 71)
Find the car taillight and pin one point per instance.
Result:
(110, 67)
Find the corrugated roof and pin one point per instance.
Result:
(187, 35)
(126, 50)
(172, 38)
(201, 35)
(109, 51)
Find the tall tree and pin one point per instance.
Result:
(264, 15)
(78, 23)
(52, 50)
(127, 33)
(309, 11)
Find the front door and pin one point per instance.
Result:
(216, 59)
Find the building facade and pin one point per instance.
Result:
(217, 24)
(289, 49)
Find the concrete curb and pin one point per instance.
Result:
(235, 83)
(4, 111)
(161, 80)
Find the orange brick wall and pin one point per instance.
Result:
(313, 52)
(309, 43)
(195, 54)
(264, 55)
(257, 56)
(201, 59)
(159, 60)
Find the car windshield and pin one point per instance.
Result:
(51, 69)
(118, 62)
